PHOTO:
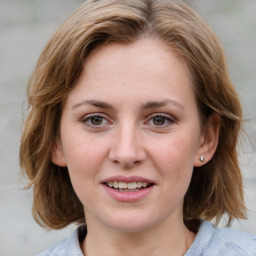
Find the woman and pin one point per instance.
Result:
(132, 127)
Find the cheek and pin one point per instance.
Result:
(83, 162)
(85, 156)
(82, 151)
(178, 151)
(174, 158)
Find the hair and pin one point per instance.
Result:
(216, 188)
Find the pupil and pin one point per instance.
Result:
(96, 120)
(158, 120)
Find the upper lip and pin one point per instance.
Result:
(127, 179)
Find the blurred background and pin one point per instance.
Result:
(25, 27)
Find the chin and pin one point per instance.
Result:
(129, 222)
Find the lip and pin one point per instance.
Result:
(135, 196)
(128, 179)
(128, 196)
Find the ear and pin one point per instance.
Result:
(209, 140)
(57, 154)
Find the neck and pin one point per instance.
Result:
(160, 240)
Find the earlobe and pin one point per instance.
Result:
(57, 154)
(209, 141)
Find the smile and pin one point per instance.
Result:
(127, 186)
(128, 189)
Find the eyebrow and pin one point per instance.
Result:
(144, 106)
(96, 103)
(154, 104)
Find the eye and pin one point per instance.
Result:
(158, 120)
(95, 120)
(161, 120)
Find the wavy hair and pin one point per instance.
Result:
(216, 188)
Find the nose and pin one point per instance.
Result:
(127, 149)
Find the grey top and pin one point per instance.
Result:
(209, 241)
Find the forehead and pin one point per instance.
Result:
(148, 66)
(141, 51)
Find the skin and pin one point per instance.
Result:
(147, 124)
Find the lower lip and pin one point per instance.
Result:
(128, 196)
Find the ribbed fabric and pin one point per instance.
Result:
(209, 241)
(212, 241)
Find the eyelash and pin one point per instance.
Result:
(88, 119)
(167, 118)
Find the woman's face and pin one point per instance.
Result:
(130, 136)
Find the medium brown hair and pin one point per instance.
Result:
(216, 188)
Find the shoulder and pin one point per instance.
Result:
(67, 247)
(58, 249)
(224, 241)
(235, 242)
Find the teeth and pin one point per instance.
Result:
(132, 185)
(144, 184)
(127, 185)
(139, 184)
(123, 185)
(116, 184)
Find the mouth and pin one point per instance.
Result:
(122, 186)
(128, 189)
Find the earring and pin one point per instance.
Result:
(201, 158)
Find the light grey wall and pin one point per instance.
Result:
(25, 27)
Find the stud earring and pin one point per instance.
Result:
(201, 158)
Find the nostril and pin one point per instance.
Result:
(127, 159)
